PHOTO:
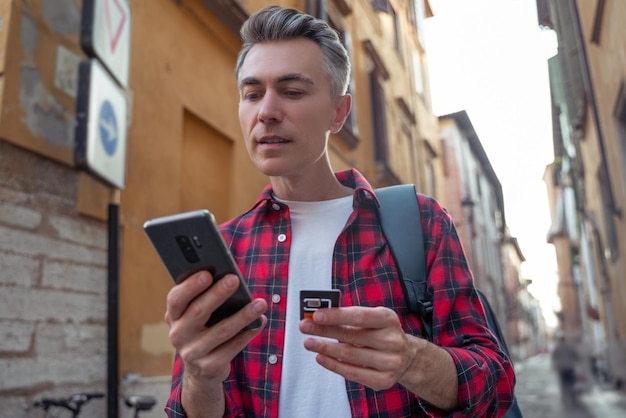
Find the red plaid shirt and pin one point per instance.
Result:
(364, 270)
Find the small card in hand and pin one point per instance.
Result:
(312, 300)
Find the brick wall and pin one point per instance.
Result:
(52, 286)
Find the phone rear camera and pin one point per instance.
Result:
(185, 245)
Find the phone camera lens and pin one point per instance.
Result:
(188, 251)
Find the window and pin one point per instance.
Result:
(321, 8)
(316, 8)
(404, 151)
(381, 5)
(377, 74)
(381, 151)
(397, 36)
(431, 176)
(418, 75)
(420, 15)
(229, 12)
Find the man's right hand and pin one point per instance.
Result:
(206, 352)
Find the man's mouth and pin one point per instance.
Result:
(273, 140)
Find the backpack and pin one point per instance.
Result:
(403, 230)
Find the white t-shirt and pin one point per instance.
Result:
(306, 388)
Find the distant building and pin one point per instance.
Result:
(474, 199)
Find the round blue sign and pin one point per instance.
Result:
(107, 125)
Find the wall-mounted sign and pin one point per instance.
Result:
(105, 34)
(101, 114)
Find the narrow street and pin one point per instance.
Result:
(537, 391)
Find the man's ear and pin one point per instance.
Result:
(342, 110)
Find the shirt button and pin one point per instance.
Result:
(273, 359)
(275, 298)
(282, 238)
(275, 206)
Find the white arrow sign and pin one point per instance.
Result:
(101, 112)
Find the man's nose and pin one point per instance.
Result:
(269, 110)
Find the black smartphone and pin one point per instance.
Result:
(190, 242)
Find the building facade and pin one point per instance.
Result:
(587, 181)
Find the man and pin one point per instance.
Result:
(314, 229)
(564, 360)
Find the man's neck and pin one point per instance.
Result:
(308, 188)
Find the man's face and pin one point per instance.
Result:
(285, 108)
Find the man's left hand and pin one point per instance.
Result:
(371, 347)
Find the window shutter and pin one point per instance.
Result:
(381, 5)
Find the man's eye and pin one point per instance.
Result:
(293, 93)
(251, 96)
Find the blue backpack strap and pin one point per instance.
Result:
(399, 216)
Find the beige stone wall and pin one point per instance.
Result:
(53, 309)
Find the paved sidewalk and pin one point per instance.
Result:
(537, 392)
(605, 403)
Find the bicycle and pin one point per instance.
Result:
(72, 403)
(140, 403)
(75, 402)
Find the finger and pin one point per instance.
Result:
(240, 340)
(202, 307)
(181, 295)
(199, 310)
(346, 334)
(234, 324)
(357, 316)
(375, 379)
(191, 326)
(390, 339)
(357, 355)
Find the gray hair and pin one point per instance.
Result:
(274, 23)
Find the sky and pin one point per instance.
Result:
(489, 58)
